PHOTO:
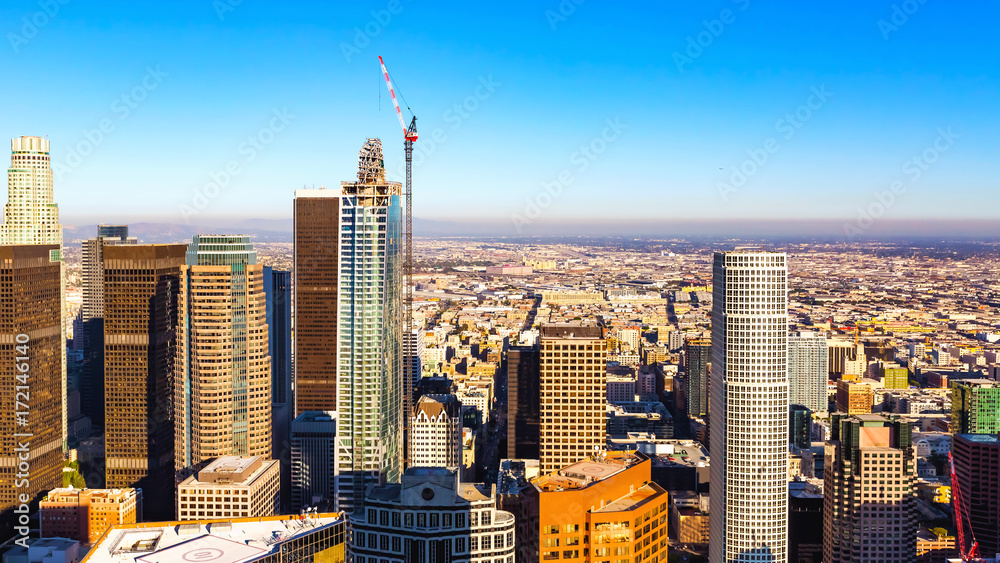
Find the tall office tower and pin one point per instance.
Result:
(141, 288)
(573, 394)
(697, 357)
(523, 396)
(317, 269)
(436, 432)
(799, 426)
(869, 511)
(91, 329)
(222, 381)
(808, 371)
(31, 216)
(314, 458)
(977, 467)
(369, 331)
(975, 406)
(749, 420)
(413, 350)
(278, 298)
(30, 347)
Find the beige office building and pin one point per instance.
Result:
(222, 377)
(230, 487)
(573, 394)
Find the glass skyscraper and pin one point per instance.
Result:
(369, 331)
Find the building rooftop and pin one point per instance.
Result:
(982, 438)
(571, 331)
(635, 499)
(229, 541)
(230, 470)
(584, 473)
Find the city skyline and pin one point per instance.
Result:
(683, 281)
(876, 92)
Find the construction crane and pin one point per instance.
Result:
(960, 517)
(409, 136)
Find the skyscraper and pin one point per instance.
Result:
(808, 369)
(523, 407)
(573, 394)
(869, 502)
(436, 432)
(317, 270)
(30, 371)
(799, 426)
(697, 357)
(413, 349)
(31, 216)
(222, 382)
(314, 458)
(91, 335)
(141, 287)
(749, 418)
(975, 406)
(278, 297)
(977, 467)
(369, 330)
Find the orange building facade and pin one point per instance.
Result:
(595, 511)
(85, 514)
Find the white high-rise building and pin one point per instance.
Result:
(436, 432)
(807, 371)
(749, 416)
(31, 216)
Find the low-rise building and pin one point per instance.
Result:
(429, 516)
(306, 538)
(84, 514)
(230, 487)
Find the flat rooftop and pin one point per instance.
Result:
(584, 473)
(227, 541)
(635, 499)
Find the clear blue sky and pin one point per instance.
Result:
(557, 77)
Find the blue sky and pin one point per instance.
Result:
(506, 94)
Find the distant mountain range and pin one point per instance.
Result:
(280, 230)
